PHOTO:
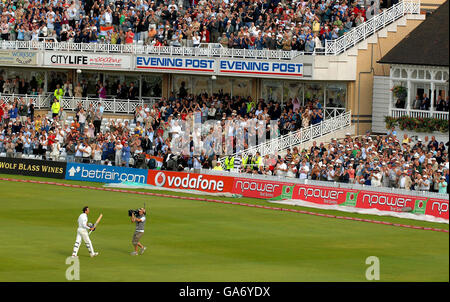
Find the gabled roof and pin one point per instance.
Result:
(427, 44)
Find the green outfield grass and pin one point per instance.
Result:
(198, 241)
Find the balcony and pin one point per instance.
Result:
(442, 115)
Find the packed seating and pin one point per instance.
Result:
(25, 133)
(381, 160)
(301, 25)
(375, 160)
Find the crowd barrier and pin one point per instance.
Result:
(240, 185)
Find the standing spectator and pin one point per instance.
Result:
(30, 110)
(97, 121)
(78, 91)
(70, 151)
(118, 153)
(68, 89)
(82, 116)
(442, 185)
(59, 92)
(55, 108)
(132, 92)
(129, 37)
(101, 92)
(23, 112)
(376, 178)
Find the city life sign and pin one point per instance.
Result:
(87, 60)
(18, 57)
(175, 64)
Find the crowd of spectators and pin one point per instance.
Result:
(258, 24)
(381, 160)
(59, 88)
(19, 85)
(151, 132)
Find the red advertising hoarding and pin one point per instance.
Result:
(271, 189)
(365, 199)
(257, 188)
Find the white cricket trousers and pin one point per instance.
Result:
(82, 234)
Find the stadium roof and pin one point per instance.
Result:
(427, 44)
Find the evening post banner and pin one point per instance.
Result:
(227, 67)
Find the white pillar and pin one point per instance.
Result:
(432, 86)
(391, 85)
(409, 87)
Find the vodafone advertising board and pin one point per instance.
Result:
(190, 181)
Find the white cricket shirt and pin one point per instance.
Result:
(82, 221)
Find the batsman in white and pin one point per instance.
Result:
(82, 233)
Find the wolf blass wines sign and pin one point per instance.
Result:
(32, 167)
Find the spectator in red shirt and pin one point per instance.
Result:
(129, 37)
(204, 36)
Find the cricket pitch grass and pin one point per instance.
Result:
(190, 240)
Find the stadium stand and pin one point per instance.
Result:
(84, 133)
(271, 24)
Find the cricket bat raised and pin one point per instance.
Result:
(98, 220)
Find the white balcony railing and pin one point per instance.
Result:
(39, 101)
(298, 137)
(111, 105)
(368, 28)
(152, 50)
(442, 115)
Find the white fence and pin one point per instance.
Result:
(298, 137)
(154, 50)
(113, 105)
(39, 101)
(120, 106)
(442, 115)
(366, 29)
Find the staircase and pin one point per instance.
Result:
(301, 137)
(381, 23)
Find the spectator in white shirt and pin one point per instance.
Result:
(292, 171)
(304, 170)
(281, 168)
(376, 178)
(87, 152)
(330, 173)
(196, 40)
